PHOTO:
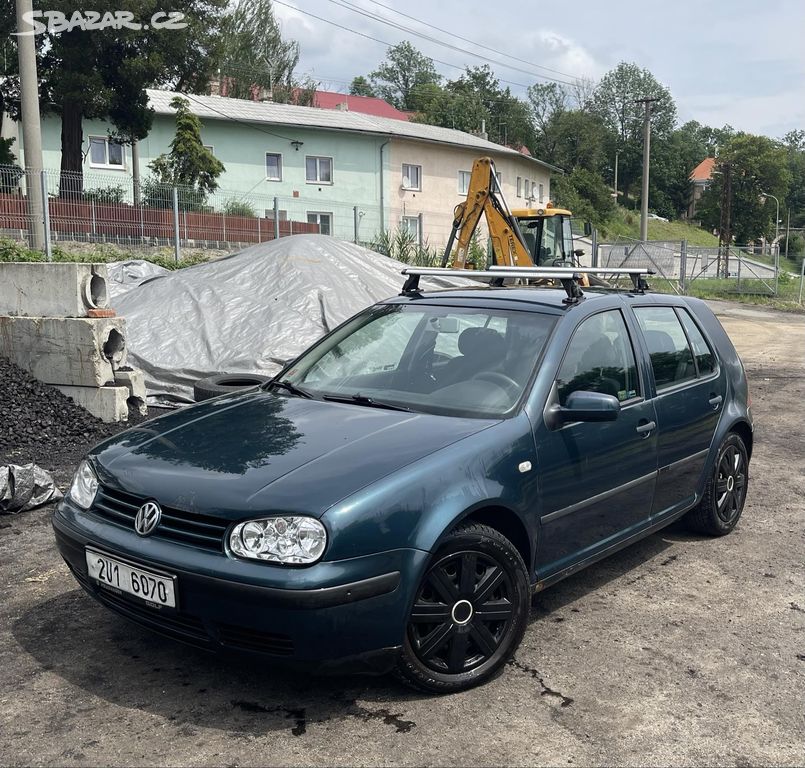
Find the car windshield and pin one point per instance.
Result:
(445, 360)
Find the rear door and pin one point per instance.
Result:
(596, 479)
(690, 390)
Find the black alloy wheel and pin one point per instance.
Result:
(724, 496)
(469, 612)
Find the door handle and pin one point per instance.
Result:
(715, 400)
(646, 428)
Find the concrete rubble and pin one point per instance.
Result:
(55, 324)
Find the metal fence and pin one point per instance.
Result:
(106, 208)
(685, 269)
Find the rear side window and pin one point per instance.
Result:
(600, 358)
(671, 357)
(704, 355)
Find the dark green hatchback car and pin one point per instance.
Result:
(396, 495)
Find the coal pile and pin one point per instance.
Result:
(39, 424)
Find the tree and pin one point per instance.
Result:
(189, 165)
(757, 164)
(254, 56)
(404, 71)
(102, 74)
(585, 193)
(614, 101)
(794, 143)
(360, 86)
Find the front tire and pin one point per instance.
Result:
(723, 501)
(469, 613)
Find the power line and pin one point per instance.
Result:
(474, 42)
(374, 17)
(391, 45)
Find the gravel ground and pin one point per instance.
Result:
(677, 651)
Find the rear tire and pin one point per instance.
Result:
(226, 383)
(469, 613)
(722, 504)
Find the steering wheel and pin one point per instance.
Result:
(502, 380)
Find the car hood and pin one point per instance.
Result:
(265, 452)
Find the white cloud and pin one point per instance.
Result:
(568, 56)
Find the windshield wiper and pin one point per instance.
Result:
(290, 387)
(360, 399)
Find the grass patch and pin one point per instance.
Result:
(753, 292)
(96, 254)
(626, 223)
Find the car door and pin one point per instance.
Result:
(596, 478)
(690, 391)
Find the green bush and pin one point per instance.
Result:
(110, 194)
(240, 208)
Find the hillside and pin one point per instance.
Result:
(626, 224)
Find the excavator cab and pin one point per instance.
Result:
(547, 235)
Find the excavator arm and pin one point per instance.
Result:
(485, 198)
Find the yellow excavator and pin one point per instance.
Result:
(521, 238)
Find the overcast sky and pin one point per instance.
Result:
(740, 62)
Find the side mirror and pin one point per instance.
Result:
(579, 252)
(584, 406)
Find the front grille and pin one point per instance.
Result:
(176, 525)
(254, 640)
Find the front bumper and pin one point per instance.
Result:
(336, 616)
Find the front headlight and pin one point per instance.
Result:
(288, 539)
(84, 486)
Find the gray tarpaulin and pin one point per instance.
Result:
(25, 487)
(125, 275)
(250, 311)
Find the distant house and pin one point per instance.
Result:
(700, 178)
(351, 173)
(366, 105)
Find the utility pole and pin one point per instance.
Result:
(725, 224)
(646, 151)
(31, 126)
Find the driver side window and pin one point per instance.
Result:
(600, 358)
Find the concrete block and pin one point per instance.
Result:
(39, 289)
(72, 351)
(106, 403)
(134, 381)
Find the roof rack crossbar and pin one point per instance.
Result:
(637, 274)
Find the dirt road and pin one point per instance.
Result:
(677, 651)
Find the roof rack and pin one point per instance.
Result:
(569, 277)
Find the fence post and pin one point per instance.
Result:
(801, 278)
(276, 219)
(94, 225)
(776, 268)
(176, 246)
(223, 219)
(739, 271)
(259, 240)
(683, 266)
(43, 180)
(355, 223)
(594, 248)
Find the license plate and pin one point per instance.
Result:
(152, 588)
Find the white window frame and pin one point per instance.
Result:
(519, 186)
(461, 174)
(419, 224)
(318, 159)
(411, 187)
(210, 147)
(278, 155)
(526, 188)
(106, 165)
(541, 193)
(318, 214)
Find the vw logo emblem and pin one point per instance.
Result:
(148, 517)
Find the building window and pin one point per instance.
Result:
(324, 220)
(533, 190)
(499, 177)
(413, 226)
(519, 186)
(541, 193)
(319, 170)
(412, 177)
(273, 166)
(526, 188)
(464, 182)
(105, 152)
(210, 148)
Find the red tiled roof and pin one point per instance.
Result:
(367, 105)
(704, 170)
